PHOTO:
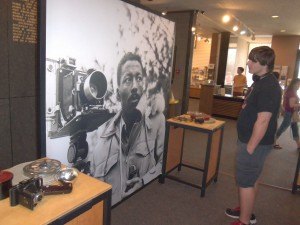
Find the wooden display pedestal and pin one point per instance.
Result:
(173, 150)
(89, 203)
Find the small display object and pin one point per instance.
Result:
(5, 183)
(195, 117)
(29, 192)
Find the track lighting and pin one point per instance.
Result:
(238, 25)
(235, 28)
(242, 32)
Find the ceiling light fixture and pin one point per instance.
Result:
(226, 18)
(275, 16)
(242, 32)
(235, 28)
(239, 25)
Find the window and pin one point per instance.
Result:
(230, 67)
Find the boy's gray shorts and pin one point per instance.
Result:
(249, 167)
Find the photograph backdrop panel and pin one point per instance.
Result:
(105, 121)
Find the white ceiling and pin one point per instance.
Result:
(255, 14)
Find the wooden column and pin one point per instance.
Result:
(206, 98)
(222, 60)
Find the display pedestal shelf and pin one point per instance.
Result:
(89, 203)
(174, 141)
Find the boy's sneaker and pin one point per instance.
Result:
(235, 213)
(237, 222)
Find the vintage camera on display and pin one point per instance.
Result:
(78, 104)
(27, 193)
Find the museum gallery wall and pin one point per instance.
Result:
(107, 76)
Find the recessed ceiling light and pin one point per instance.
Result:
(282, 31)
(226, 18)
(242, 32)
(275, 16)
(235, 28)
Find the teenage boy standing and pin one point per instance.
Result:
(256, 126)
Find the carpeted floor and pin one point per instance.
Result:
(174, 203)
(279, 167)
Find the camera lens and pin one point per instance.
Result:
(95, 86)
(37, 197)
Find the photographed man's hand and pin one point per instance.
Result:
(134, 184)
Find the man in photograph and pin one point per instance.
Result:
(256, 126)
(127, 150)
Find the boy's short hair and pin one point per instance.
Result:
(241, 69)
(264, 55)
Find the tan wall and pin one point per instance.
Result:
(201, 54)
(214, 48)
(285, 48)
(241, 53)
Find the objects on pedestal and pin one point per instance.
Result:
(87, 203)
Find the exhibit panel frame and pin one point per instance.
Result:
(89, 118)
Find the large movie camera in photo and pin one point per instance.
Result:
(76, 106)
(107, 75)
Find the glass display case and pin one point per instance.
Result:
(198, 76)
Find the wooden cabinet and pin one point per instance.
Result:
(194, 92)
(206, 98)
(227, 106)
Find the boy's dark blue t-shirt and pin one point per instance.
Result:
(265, 96)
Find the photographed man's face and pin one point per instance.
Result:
(131, 84)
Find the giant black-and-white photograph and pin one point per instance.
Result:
(108, 73)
